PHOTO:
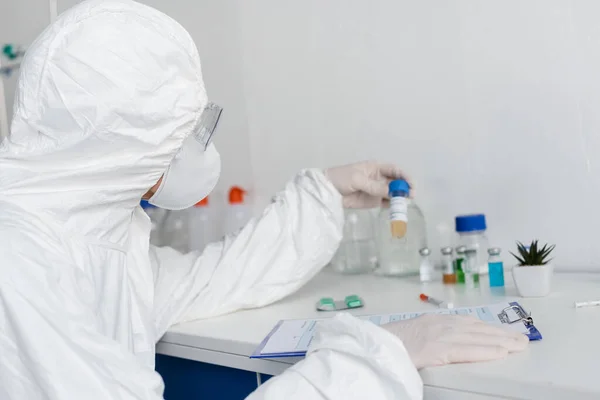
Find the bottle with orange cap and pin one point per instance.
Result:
(201, 225)
(238, 210)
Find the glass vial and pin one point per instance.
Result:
(449, 276)
(459, 262)
(471, 268)
(495, 267)
(398, 191)
(425, 269)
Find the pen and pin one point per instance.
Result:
(579, 304)
(439, 303)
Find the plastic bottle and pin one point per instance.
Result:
(238, 212)
(425, 267)
(471, 230)
(449, 277)
(156, 218)
(399, 191)
(357, 252)
(459, 262)
(400, 257)
(200, 225)
(495, 268)
(174, 230)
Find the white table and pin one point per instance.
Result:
(564, 365)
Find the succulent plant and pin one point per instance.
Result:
(534, 255)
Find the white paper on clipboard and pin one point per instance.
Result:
(292, 338)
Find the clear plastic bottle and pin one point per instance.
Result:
(471, 230)
(400, 257)
(425, 267)
(357, 253)
(238, 212)
(200, 225)
(174, 230)
(495, 268)
(449, 277)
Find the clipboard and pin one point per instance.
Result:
(524, 317)
(292, 338)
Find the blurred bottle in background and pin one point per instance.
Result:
(238, 211)
(174, 230)
(472, 235)
(201, 225)
(357, 252)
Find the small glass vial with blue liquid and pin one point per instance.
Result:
(495, 268)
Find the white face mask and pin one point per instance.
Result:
(195, 170)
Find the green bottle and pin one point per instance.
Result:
(459, 264)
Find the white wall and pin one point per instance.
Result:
(20, 22)
(490, 106)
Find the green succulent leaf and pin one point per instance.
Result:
(519, 259)
(534, 255)
(522, 250)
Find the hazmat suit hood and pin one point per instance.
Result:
(106, 96)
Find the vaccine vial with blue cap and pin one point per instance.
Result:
(399, 191)
(398, 247)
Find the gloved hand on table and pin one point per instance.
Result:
(433, 340)
(365, 184)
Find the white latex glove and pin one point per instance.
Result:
(433, 340)
(365, 184)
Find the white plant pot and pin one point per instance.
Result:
(533, 281)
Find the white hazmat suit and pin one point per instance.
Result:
(107, 96)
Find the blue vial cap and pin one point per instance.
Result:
(399, 185)
(145, 205)
(470, 223)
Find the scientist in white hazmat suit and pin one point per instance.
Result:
(108, 104)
